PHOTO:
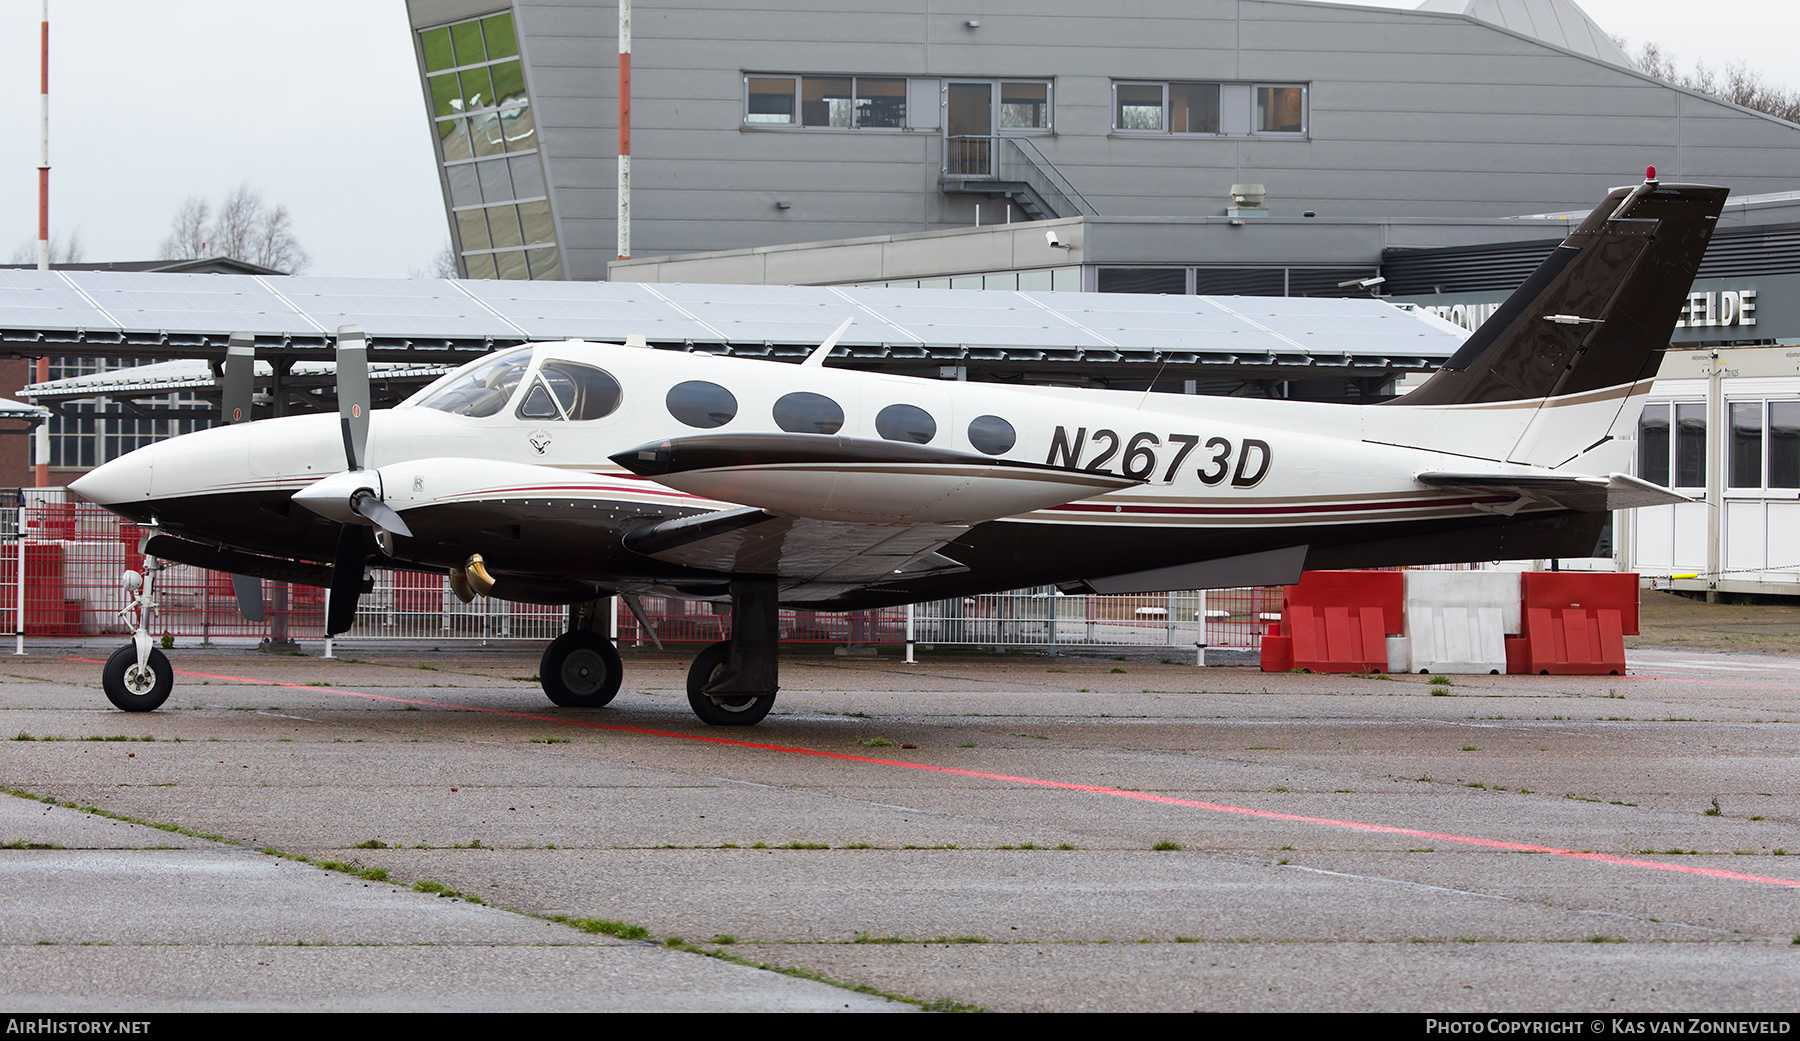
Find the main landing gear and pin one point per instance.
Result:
(732, 683)
(138, 677)
(581, 668)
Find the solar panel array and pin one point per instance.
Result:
(473, 311)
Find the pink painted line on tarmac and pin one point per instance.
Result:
(1092, 789)
(1712, 683)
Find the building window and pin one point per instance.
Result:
(1233, 109)
(1166, 108)
(826, 102)
(99, 432)
(1672, 443)
(487, 143)
(1764, 451)
(1237, 281)
(1024, 105)
(769, 99)
(1281, 110)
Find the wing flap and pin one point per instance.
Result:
(1583, 493)
(751, 542)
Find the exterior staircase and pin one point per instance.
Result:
(1014, 169)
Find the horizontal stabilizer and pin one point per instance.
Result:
(1582, 493)
(859, 480)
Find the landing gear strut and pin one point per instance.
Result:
(733, 683)
(138, 678)
(581, 668)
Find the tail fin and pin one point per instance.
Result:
(1598, 312)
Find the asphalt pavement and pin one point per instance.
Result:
(1003, 832)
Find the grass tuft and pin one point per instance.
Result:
(606, 927)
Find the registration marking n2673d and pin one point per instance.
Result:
(1252, 456)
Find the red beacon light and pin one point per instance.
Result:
(1650, 174)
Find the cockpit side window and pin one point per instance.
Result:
(538, 403)
(583, 391)
(482, 390)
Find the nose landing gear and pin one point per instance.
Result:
(138, 677)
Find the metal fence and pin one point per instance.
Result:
(73, 554)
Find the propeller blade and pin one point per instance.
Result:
(366, 505)
(353, 393)
(240, 379)
(249, 591)
(346, 581)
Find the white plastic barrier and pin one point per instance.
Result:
(1456, 622)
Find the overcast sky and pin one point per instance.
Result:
(318, 105)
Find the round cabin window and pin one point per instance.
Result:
(906, 423)
(701, 404)
(992, 435)
(804, 412)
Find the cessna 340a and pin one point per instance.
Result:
(570, 472)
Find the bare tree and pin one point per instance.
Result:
(275, 245)
(235, 227)
(441, 265)
(1738, 84)
(63, 249)
(444, 264)
(187, 232)
(244, 228)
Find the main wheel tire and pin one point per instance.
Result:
(580, 669)
(724, 710)
(136, 689)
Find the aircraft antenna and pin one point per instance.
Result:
(817, 358)
(1153, 379)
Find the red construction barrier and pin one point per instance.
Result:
(1337, 621)
(1574, 623)
(47, 609)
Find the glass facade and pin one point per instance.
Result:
(92, 436)
(487, 142)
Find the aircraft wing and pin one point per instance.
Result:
(798, 549)
(1581, 493)
(859, 480)
(829, 514)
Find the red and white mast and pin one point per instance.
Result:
(43, 246)
(624, 129)
(41, 471)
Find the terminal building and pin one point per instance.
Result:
(1205, 148)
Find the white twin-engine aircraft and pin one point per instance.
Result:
(571, 472)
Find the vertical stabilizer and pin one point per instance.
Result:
(1597, 315)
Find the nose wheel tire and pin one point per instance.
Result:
(580, 669)
(723, 710)
(136, 688)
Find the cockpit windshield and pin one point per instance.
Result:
(481, 390)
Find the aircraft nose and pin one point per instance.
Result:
(123, 481)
